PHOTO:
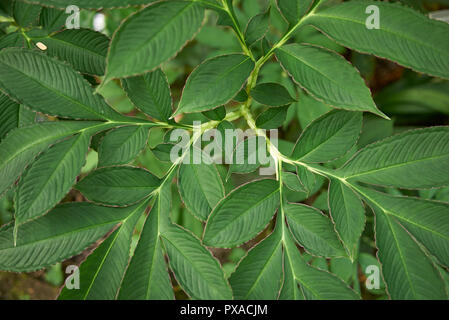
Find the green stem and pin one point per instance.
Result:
(279, 44)
(281, 199)
(237, 30)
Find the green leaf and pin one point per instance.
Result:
(50, 86)
(26, 14)
(313, 230)
(257, 27)
(307, 179)
(414, 40)
(329, 137)
(272, 118)
(293, 10)
(84, 49)
(242, 96)
(259, 275)
(244, 213)
(53, 19)
(14, 39)
(292, 181)
(103, 270)
(343, 268)
(122, 145)
(50, 177)
(407, 270)
(150, 93)
(21, 146)
(427, 221)
(118, 186)
(290, 289)
(162, 151)
(168, 26)
(217, 114)
(147, 277)
(214, 83)
(197, 271)
(272, 94)
(13, 115)
(374, 129)
(200, 187)
(340, 86)
(315, 284)
(424, 152)
(62, 233)
(348, 214)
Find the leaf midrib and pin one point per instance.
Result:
(61, 235)
(267, 262)
(100, 266)
(362, 173)
(401, 256)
